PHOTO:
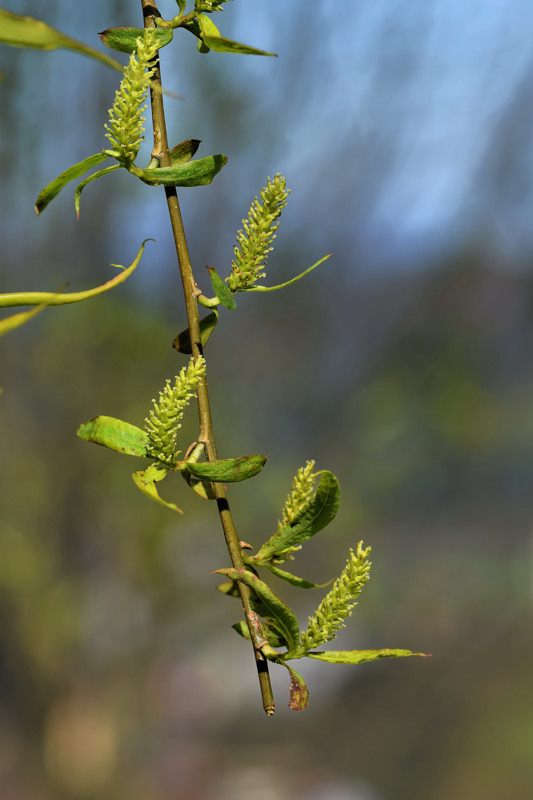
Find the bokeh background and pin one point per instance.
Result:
(404, 364)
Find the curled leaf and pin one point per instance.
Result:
(60, 299)
(81, 186)
(75, 171)
(192, 173)
(146, 480)
(182, 342)
(298, 692)
(125, 39)
(228, 470)
(287, 283)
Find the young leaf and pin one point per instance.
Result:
(116, 435)
(358, 656)
(228, 470)
(300, 583)
(273, 609)
(221, 290)
(146, 480)
(202, 488)
(125, 39)
(298, 693)
(22, 31)
(272, 636)
(221, 45)
(15, 320)
(183, 152)
(182, 342)
(59, 299)
(315, 515)
(287, 283)
(76, 171)
(81, 186)
(193, 173)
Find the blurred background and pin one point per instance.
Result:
(404, 364)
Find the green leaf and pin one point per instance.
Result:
(287, 283)
(273, 609)
(15, 320)
(207, 26)
(300, 583)
(146, 480)
(125, 39)
(203, 489)
(358, 656)
(183, 151)
(194, 173)
(318, 512)
(182, 342)
(272, 636)
(76, 171)
(298, 693)
(59, 299)
(81, 186)
(228, 470)
(22, 31)
(221, 45)
(116, 435)
(221, 290)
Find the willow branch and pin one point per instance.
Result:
(206, 435)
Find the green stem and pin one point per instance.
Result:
(161, 151)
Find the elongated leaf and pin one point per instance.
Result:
(22, 31)
(183, 151)
(287, 283)
(146, 480)
(228, 470)
(292, 579)
(182, 342)
(359, 656)
(15, 320)
(271, 635)
(274, 610)
(75, 171)
(221, 45)
(298, 693)
(125, 39)
(314, 516)
(81, 186)
(221, 290)
(116, 435)
(193, 173)
(60, 299)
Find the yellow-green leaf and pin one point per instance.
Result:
(23, 31)
(228, 470)
(359, 656)
(146, 480)
(59, 299)
(75, 171)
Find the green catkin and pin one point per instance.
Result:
(337, 605)
(255, 238)
(163, 421)
(126, 122)
(301, 490)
